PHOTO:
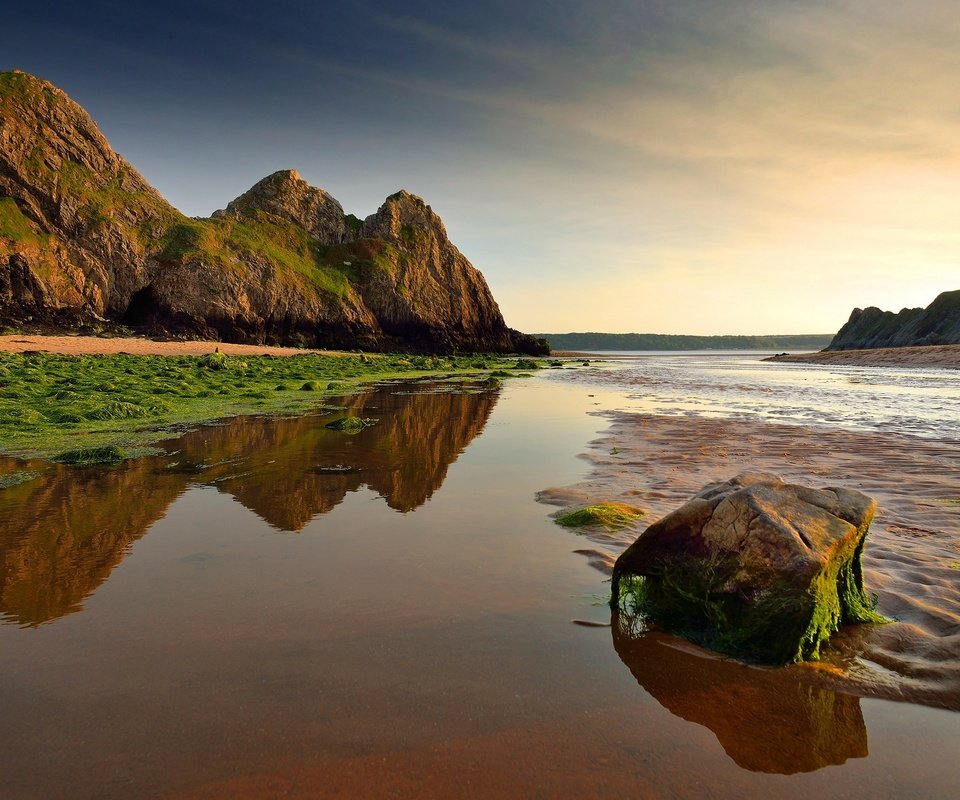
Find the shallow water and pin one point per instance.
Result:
(740, 385)
(235, 620)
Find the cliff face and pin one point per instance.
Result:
(938, 323)
(83, 236)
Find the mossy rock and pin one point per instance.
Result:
(611, 516)
(11, 479)
(526, 363)
(350, 424)
(215, 360)
(312, 386)
(754, 567)
(89, 456)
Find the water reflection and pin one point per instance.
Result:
(62, 533)
(767, 720)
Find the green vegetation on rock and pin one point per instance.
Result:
(612, 516)
(777, 627)
(89, 456)
(771, 591)
(10, 479)
(14, 225)
(350, 424)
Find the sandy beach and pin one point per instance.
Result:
(913, 553)
(95, 345)
(943, 356)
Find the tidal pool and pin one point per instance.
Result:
(276, 609)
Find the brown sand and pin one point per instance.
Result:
(95, 345)
(945, 356)
(912, 558)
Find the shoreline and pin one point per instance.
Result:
(912, 557)
(66, 345)
(85, 401)
(944, 356)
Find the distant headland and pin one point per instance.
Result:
(661, 341)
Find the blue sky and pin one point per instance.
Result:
(674, 166)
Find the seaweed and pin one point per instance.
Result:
(612, 516)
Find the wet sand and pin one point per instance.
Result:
(912, 559)
(939, 356)
(95, 345)
(232, 620)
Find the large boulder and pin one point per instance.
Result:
(754, 567)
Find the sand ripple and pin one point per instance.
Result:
(912, 559)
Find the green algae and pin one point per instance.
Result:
(777, 626)
(612, 516)
(50, 404)
(16, 478)
(350, 424)
(89, 456)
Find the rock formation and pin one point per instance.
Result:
(84, 237)
(937, 324)
(755, 567)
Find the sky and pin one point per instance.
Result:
(664, 166)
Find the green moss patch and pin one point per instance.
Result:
(88, 456)
(52, 403)
(15, 226)
(612, 516)
(11, 479)
(350, 424)
(777, 627)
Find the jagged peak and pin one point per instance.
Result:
(286, 195)
(404, 195)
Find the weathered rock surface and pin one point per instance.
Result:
(83, 236)
(937, 324)
(755, 567)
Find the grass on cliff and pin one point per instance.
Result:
(15, 226)
(75, 408)
(226, 242)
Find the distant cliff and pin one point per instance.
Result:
(937, 324)
(84, 237)
(660, 341)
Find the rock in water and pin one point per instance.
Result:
(754, 567)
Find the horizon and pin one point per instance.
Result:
(667, 167)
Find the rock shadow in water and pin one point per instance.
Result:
(767, 720)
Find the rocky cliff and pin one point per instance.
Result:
(83, 236)
(938, 323)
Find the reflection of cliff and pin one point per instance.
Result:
(767, 720)
(404, 457)
(62, 533)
